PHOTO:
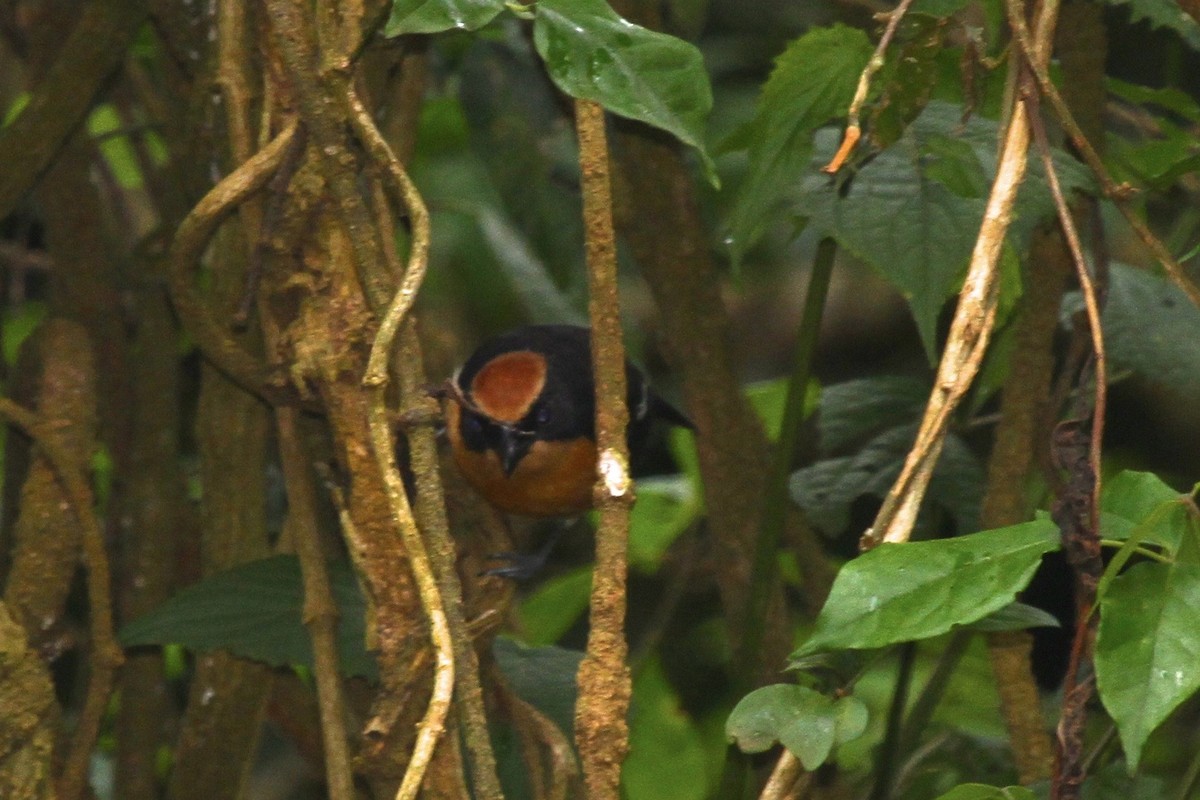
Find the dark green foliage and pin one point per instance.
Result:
(255, 611)
(901, 592)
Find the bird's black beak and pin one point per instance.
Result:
(513, 446)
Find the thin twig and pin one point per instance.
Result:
(1090, 300)
(414, 274)
(375, 379)
(971, 329)
(853, 125)
(783, 777)
(890, 748)
(320, 611)
(601, 730)
(106, 651)
(421, 412)
(433, 723)
(192, 238)
(1120, 193)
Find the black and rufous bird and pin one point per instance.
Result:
(521, 419)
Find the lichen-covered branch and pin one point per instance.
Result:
(601, 728)
(106, 652)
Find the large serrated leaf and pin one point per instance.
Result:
(913, 212)
(827, 489)
(255, 610)
(1148, 648)
(806, 722)
(1150, 329)
(812, 83)
(903, 592)
(1164, 14)
(849, 411)
(593, 54)
(434, 16)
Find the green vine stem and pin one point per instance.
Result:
(775, 506)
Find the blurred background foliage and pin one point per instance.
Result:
(495, 158)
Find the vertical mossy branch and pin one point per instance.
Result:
(601, 729)
(1024, 410)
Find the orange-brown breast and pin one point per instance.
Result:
(507, 386)
(554, 479)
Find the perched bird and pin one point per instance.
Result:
(521, 419)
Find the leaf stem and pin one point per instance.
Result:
(775, 505)
(889, 748)
(853, 126)
(935, 688)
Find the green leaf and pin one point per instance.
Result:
(769, 399)
(827, 489)
(848, 412)
(1132, 499)
(1160, 161)
(808, 723)
(665, 508)
(915, 590)
(912, 213)
(544, 677)
(1150, 329)
(15, 108)
(17, 324)
(555, 606)
(434, 16)
(1112, 782)
(667, 758)
(255, 610)
(105, 124)
(979, 791)
(908, 78)
(1016, 617)
(1168, 98)
(811, 85)
(1148, 648)
(1163, 14)
(593, 54)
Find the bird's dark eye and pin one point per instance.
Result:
(472, 425)
(543, 416)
